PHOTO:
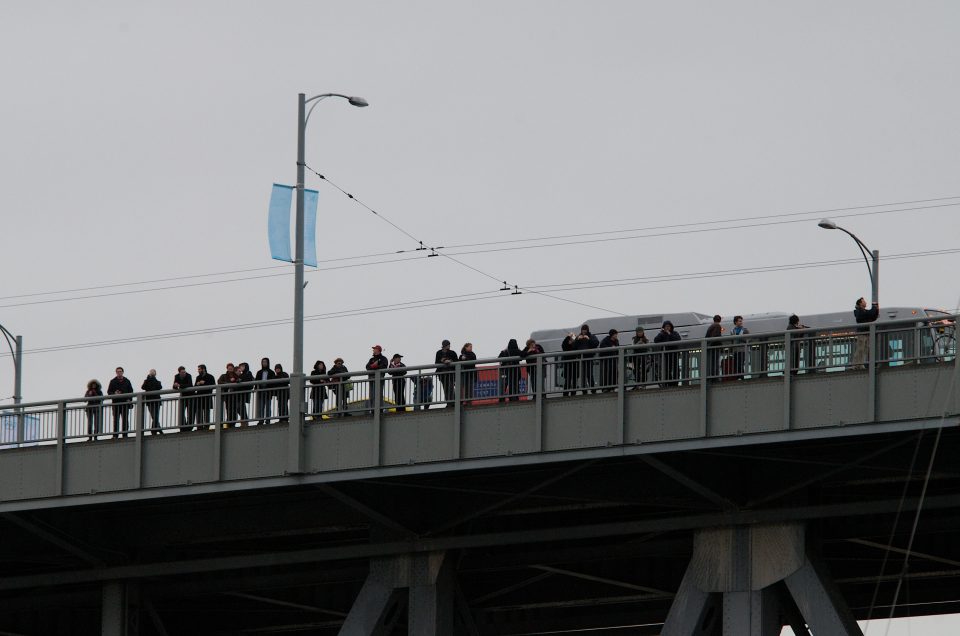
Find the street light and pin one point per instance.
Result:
(16, 350)
(296, 378)
(874, 258)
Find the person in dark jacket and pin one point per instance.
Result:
(282, 392)
(586, 342)
(120, 385)
(468, 370)
(231, 400)
(715, 330)
(863, 315)
(185, 413)
(510, 372)
(203, 398)
(397, 369)
(608, 354)
(377, 362)
(793, 323)
(669, 368)
(530, 352)
(152, 384)
(739, 352)
(339, 385)
(94, 409)
(641, 359)
(318, 392)
(570, 367)
(446, 357)
(244, 375)
(264, 392)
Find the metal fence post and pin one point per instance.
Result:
(217, 433)
(872, 351)
(458, 410)
(538, 396)
(622, 393)
(376, 401)
(139, 424)
(703, 372)
(295, 425)
(788, 363)
(61, 440)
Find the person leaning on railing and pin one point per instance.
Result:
(529, 353)
(607, 352)
(152, 385)
(510, 372)
(397, 370)
(468, 370)
(793, 323)
(668, 371)
(340, 386)
(229, 397)
(185, 412)
(202, 402)
(283, 392)
(863, 315)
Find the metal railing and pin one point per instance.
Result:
(554, 375)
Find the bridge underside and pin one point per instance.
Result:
(596, 546)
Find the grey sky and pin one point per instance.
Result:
(140, 141)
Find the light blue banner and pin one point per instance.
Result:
(278, 222)
(310, 227)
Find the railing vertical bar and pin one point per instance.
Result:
(138, 425)
(217, 434)
(788, 363)
(61, 434)
(704, 382)
(622, 393)
(538, 397)
(376, 401)
(873, 350)
(295, 424)
(458, 412)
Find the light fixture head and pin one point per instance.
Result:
(827, 224)
(357, 101)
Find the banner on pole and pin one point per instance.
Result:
(278, 224)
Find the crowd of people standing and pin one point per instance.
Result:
(271, 383)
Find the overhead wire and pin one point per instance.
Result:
(584, 236)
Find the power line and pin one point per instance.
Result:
(433, 251)
(467, 245)
(469, 297)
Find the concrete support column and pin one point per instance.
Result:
(113, 613)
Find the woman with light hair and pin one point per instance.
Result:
(94, 409)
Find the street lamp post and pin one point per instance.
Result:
(16, 350)
(297, 405)
(873, 261)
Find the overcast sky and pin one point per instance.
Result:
(139, 142)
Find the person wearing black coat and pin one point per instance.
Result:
(669, 369)
(446, 357)
(510, 372)
(244, 375)
(715, 330)
(468, 370)
(608, 360)
(529, 353)
(182, 382)
(586, 342)
(794, 324)
(264, 392)
(338, 384)
(152, 384)
(641, 358)
(318, 392)
(571, 367)
(377, 362)
(93, 409)
(121, 405)
(231, 401)
(202, 402)
(863, 315)
(397, 369)
(282, 392)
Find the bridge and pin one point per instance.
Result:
(719, 486)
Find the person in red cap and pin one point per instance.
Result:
(377, 362)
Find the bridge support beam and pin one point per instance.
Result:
(423, 582)
(118, 611)
(748, 569)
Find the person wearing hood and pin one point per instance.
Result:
(377, 362)
(264, 392)
(244, 375)
(608, 355)
(510, 372)
(151, 384)
(670, 366)
(445, 375)
(283, 392)
(93, 409)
